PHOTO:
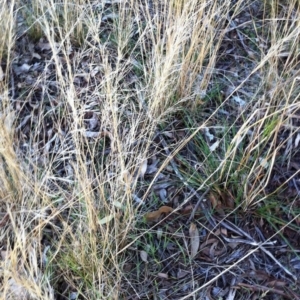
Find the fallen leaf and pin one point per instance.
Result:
(214, 146)
(163, 195)
(21, 69)
(144, 256)
(227, 200)
(36, 55)
(118, 204)
(3, 254)
(168, 134)
(163, 275)
(106, 219)
(214, 201)
(187, 210)
(154, 216)
(44, 46)
(128, 267)
(1, 74)
(162, 185)
(239, 100)
(263, 162)
(91, 134)
(143, 168)
(159, 233)
(153, 167)
(195, 239)
(93, 121)
(208, 134)
(206, 247)
(182, 273)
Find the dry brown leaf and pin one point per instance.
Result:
(128, 267)
(144, 256)
(227, 200)
(277, 283)
(187, 210)
(214, 201)
(165, 209)
(154, 216)
(195, 239)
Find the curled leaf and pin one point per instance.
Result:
(195, 239)
(155, 216)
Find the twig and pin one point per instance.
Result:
(263, 288)
(278, 262)
(199, 202)
(251, 241)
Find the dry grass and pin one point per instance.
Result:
(77, 128)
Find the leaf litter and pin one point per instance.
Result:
(211, 247)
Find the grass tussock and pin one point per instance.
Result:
(112, 109)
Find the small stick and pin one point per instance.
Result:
(200, 200)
